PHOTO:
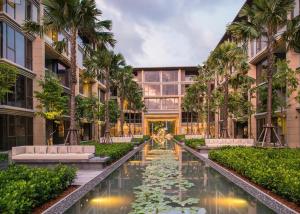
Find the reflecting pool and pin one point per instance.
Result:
(163, 178)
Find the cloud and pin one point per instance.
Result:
(168, 32)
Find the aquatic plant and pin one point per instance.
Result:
(163, 185)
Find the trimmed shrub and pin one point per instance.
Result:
(3, 157)
(23, 188)
(115, 151)
(179, 137)
(277, 170)
(194, 143)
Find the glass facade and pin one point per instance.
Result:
(170, 89)
(15, 47)
(152, 76)
(61, 71)
(133, 117)
(15, 131)
(162, 104)
(151, 90)
(169, 76)
(22, 10)
(170, 104)
(22, 94)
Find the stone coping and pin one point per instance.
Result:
(263, 197)
(67, 202)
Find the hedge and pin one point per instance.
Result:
(179, 137)
(193, 143)
(3, 157)
(277, 170)
(23, 188)
(115, 150)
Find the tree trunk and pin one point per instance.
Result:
(122, 115)
(72, 132)
(187, 123)
(107, 99)
(270, 68)
(192, 123)
(129, 124)
(225, 120)
(134, 118)
(208, 113)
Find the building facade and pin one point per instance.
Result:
(35, 56)
(285, 119)
(163, 91)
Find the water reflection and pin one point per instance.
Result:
(214, 193)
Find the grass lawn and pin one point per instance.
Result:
(277, 170)
(23, 188)
(115, 150)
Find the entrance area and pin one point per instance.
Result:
(153, 123)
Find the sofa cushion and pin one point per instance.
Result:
(29, 149)
(18, 150)
(52, 150)
(75, 149)
(62, 149)
(40, 149)
(53, 157)
(89, 149)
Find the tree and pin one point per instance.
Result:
(226, 59)
(89, 109)
(53, 104)
(120, 80)
(77, 17)
(263, 18)
(106, 62)
(138, 105)
(114, 111)
(8, 77)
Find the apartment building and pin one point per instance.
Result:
(163, 91)
(286, 120)
(34, 56)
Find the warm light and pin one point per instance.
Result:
(110, 201)
(229, 202)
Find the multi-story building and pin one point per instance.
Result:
(286, 120)
(34, 56)
(163, 91)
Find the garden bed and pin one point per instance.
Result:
(193, 143)
(115, 150)
(276, 170)
(22, 188)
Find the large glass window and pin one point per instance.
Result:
(170, 104)
(152, 90)
(170, 90)
(169, 76)
(15, 47)
(153, 104)
(21, 95)
(79, 58)
(152, 76)
(23, 9)
(15, 131)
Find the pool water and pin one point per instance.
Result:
(164, 178)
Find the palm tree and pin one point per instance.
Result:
(77, 17)
(121, 78)
(104, 61)
(226, 59)
(138, 105)
(263, 18)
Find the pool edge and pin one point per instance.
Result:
(261, 196)
(67, 202)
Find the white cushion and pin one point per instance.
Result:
(57, 157)
(29, 149)
(52, 150)
(62, 149)
(88, 149)
(40, 149)
(75, 149)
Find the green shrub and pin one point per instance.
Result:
(179, 137)
(115, 150)
(23, 188)
(138, 141)
(3, 157)
(194, 143)
(275, 169)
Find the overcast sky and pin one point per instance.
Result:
(168, 32)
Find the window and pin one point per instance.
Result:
(21, 95)
(79, 58)
(170, 104)
(153, 104)
(152, 90)
(15, 131)
(152, 76)
(102, 96)
(170, 90)
(22, 10)
(133, 117)
(169, 76)
(187, 117)
(15, 47)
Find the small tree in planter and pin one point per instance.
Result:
(8, 77)
(52, 103)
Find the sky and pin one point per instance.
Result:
(158, 33)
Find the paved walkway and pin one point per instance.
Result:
(84, 176)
